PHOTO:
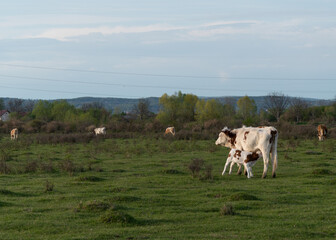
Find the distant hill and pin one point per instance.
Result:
(127, 104)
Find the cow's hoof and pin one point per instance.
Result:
(239, 173)
(273, 175)
(263, 176)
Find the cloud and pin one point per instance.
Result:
(272, 30)
(201, 30)
(65, 34)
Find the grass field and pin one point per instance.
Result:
(143, 189)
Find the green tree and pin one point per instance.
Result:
(247, 110)
(60, 108)
(177, 109)
(208, 110)
(42, 110)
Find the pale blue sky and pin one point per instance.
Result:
(136, 49)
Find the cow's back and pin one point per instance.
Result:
(252, 138)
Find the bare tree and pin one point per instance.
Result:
(142, 109)
(93, 105)
(298, 106)
(29, 105)
(2, 104)
(276, 104)
(16, 105)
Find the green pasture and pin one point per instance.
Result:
(142, 188)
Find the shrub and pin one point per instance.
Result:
(35, 125)
(242, 196)
(227, 209)
(4, 168)
(31, 167)
(89, 179)
(94, 206)
(47, 167)
(208, 172)
(114, 216)
(54, 126)
(48, 187)
(4, 155)
(322, 172)
(195, 166)
(68, 166)
(171, 171)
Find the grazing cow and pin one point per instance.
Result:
(14, 133)
(248, 159)
(99, 131)
(252, 139)
(170, 130)
(322, 132)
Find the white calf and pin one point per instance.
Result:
(248, 159)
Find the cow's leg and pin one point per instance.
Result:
(274, 153)
(265, 153)
(231, 165)
(239, 172)
(228, 160)
(247, 170)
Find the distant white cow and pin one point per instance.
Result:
(248, 159)
(170, 130)
(252, 139)
(99, 131)
(14, 133)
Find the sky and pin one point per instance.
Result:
(136, 49)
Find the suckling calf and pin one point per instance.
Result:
(248, 159)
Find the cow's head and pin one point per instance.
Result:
(226, 138)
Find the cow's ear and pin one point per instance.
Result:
(228, 132)
(225, 129)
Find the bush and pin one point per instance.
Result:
(195, 166)
(208, 173)
(292, 131)
(53, 126)
(31, 167)
(242, 196)
(114, 216)
(4, 168)
(4, 155)
(322, 172)
(90, 179)
(227, 209)
(68, 166)
(94, 206)
(47, 167)
(48, 187)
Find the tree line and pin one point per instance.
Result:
(177, 110)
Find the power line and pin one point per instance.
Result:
(142, 86)
(168, 75)
(115, 84)
(123, 96)
(55, 91)
(109, 72)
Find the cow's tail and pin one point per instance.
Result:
(274, 151)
